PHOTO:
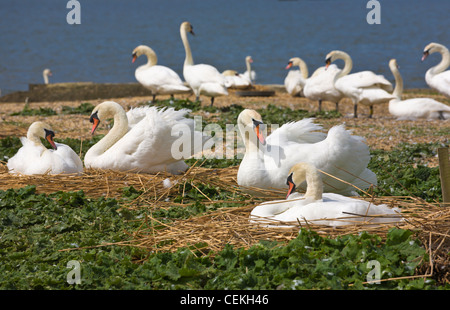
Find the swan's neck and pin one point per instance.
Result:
(120, 128)
(398, 90)
(250, 139)
(303, 69)
(348, 65)
(152, 59)
(314, 188)
(445, 61)
(35, 139)
(45, 78)
(188, 61)
(249, 68)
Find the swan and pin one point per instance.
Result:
(45, 74)
(266, 161)
(414, 108)
(295, 79)
(140, 140)
(160, 80)
(202, 78)
(436, 77)
(317, 207)
(34, 158)
(320, 86)
(363, 87)
(236, 80)
(249, 73)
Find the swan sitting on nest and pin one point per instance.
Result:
(34, 158)
(141, 140)
(316, 207)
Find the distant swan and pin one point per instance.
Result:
(160, 80)
(34, 158)
(415, 108)
(295, 79)
(436, 77)
(236, 80)
(267, 161)
(140, 140)
(363, 87)
(249, 73)
(203, 79)
(316, 207)
(45, 74)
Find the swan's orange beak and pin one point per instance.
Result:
(258, 131)
(291, 185)
(289, 65)
(260, 135)
(134, 58)
(327, 63)
(95, 122)
(49, 137)
(425, 55)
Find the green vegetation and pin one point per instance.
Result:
(37, 230)
(402, 172)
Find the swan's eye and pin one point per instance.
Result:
(256, 122)
(289, 180)
(93, 116)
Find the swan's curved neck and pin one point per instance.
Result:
(303, 69)
(119, 129)
(152, 59)
(188, 61)
(445, 61)
(34, 137)
(348, 65)
(398, 90)
(250, 139)
(314, 188)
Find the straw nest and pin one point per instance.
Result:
(210, 232)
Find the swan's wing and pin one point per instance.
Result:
(303, 131)
(148, 143)
(65, 160)
(26, 160)
(365, 79)
(294, 82)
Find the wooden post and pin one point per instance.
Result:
(444, 172)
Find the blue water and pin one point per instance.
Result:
(35, 35)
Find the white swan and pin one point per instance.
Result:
(295, 79)
(236, 80)
(320, 86)
(34, 158)
(316, 207)
(436, 77)
(45, 74)
(141, 139)
(266, 162)
(160, 80)
(363, 87)
(203, 79)
(249, 73)
(414, 108)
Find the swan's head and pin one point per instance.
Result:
(104, 110)
(143, 50)
(251, 119)
(297, 175)
(47, 72)
(230, 73)
(333, 56)
(294, 61)
(249, 59)
(393, 64)
(41, 130)
(432, 48)
(187, 27)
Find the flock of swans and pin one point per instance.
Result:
(331, 165)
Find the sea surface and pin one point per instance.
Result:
(35, 35)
